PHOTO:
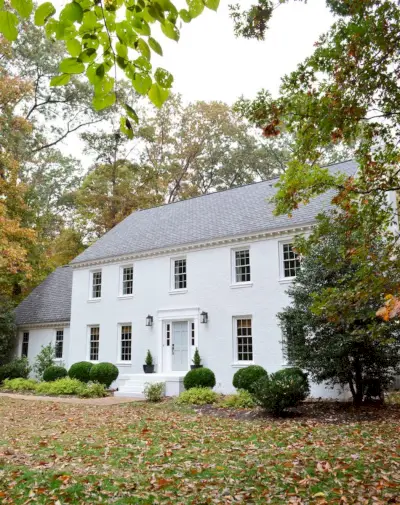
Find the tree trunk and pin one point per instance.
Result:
(358, 382)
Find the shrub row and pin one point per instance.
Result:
(63, 386)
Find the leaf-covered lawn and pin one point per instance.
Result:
(141, 454)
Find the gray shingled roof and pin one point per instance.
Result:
(235, 212)
(49, 302)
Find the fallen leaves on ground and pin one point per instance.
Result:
(137, 453)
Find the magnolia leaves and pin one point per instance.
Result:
(97, 43)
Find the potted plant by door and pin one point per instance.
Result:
(196, 360)
(149, 366)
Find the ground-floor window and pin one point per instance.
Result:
(59, 344)
(126, 343)
(94, 343)
(243, 338)
(25, 344)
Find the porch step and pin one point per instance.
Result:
(132, 385)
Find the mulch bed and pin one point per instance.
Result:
(319, 411)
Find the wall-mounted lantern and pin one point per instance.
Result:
(204, 317)
(149, 320)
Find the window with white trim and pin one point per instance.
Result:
(243, 339)
(25, 344)
(242, 266)
(127, 280)
(180, 274)
(126, 343)
(94, 343)
(290, 261)
(96, 284)
(59, 344)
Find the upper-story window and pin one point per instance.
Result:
(179, 278)
(290, 261)
(59, 344)
(241, 264)
(95, 291)
(126, 280)
(25, 344)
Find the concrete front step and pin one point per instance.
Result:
(132, 385)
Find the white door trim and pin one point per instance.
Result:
(170, 315)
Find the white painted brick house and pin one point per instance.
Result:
(210, 272)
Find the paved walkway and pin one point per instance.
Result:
(108, 400)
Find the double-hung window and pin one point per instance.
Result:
(243, 340)
(290, 261)
(126, 280)
(94, 343)
(126, 343)
(241, 266)
(59, 344)
(25, 344)
(96, 278)
(179, 277)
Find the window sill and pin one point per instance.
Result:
(124, 363)
(178, 291)
(125, 297)
(242, 364)
(94, 300)
(286, 280)
(238, 285)
(58, 359)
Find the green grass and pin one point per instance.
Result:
(142, 454)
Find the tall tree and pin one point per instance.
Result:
(331, 327)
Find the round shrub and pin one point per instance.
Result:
(81, 371)
(199, 378)
(105, 373)
(16, 369)
(244, 378)
(285, 388)
(54, 372)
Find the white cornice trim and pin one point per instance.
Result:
(195, 246)
(32, 326)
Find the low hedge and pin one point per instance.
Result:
(80, 371)
(197, 396)
(64, 386)
(199, 378)
(19, 384)
(240, 400)
(54, 372)
(104, 373)
(244, 378)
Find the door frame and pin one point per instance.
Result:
(165, 316)
(187, 321)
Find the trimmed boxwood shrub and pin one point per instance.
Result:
(104, 373)
(244, 378)
(285, 388)
(199, 378)
(81, 371)
(54, 372)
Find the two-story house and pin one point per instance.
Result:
(210, 272)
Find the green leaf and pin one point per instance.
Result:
(74, 47)
(88, 55)
(185, 16)
(121, 62)
(126, 127)
(122, 50)
(158, 95)
(164, 78)
(141, 83)
(131, 113)
(71, 66)
(104, 101)
(155, 46)
(1, 4)
(196, 7)
(170, 30)
(143, 48)
(8, 25)
(100, 71)
(60, 80)
(72, 12)
(89, 21)
(104, 86)
(212, 4)
(23, 7)
(43, 13)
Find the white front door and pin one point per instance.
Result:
(180, 345)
